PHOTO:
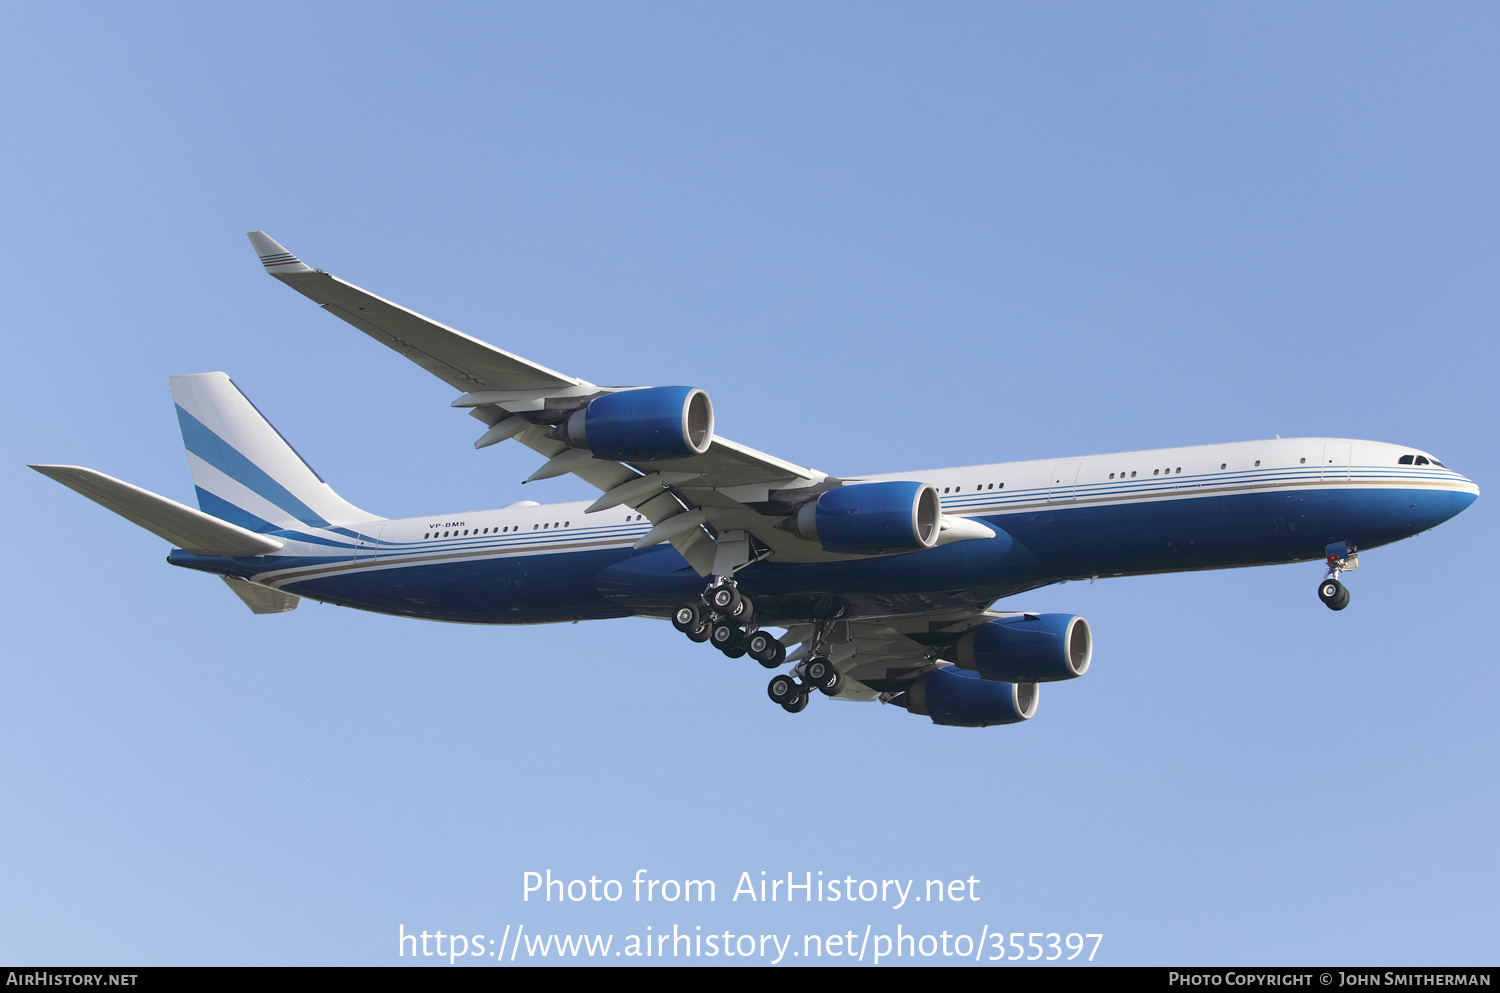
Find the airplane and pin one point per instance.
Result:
(883, 585)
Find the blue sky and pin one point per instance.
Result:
(883, 237)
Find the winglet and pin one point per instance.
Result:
(275, 258)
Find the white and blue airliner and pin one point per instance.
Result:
(882, 585)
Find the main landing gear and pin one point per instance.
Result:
(726, 618)
(817, 673)
(1341, 558)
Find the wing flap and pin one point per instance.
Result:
(189, 529)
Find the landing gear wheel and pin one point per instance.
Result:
(796, 705)
(783, 690)
(688, 617)
(834, 685)
(727, 637)
(1333, 594)
(725, 600)
(766, 650)
(700, 634)
(819, 671)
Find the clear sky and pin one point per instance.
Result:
(883, 237)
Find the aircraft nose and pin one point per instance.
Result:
(1445, 504)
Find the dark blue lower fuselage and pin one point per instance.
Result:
(1032, 547)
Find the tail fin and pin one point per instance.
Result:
(243, 469)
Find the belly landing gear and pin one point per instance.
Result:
(724, 617)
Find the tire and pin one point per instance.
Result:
(724, 600)
(743, 610)
(687, 617)
(1333, 594)
(727, 637)
(796, 705)
(699, 634)
(783, 689)
(834, 686)
(762, 647)
(819, 671)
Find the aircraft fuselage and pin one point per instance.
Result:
(1132, 513)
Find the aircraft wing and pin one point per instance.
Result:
(462, 362)
(514, 398)
(719, 509)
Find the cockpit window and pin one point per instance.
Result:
(1405, 460)
(1438, 464)
(1422, 460)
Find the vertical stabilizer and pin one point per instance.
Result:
(243, 469)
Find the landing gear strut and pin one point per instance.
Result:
(1341, 558)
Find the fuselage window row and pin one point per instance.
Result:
(535, 527)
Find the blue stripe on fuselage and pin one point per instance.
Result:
(1040, 545)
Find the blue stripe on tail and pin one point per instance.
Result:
(222, 456)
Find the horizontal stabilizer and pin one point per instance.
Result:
(262, 599)
(188, 529)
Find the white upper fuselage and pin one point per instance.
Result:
(968, 491)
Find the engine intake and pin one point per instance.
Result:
(1031, 648)
(649, 425)
(962, 699)
(872, 518)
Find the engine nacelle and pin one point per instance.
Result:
(961, 699)
(872, 518)
(1031, 648)
(649, 425)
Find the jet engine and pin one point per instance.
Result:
(962, 699)
(872, 518)
(1030, 648)
(649, 425)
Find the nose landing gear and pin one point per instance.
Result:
(1341, 558)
